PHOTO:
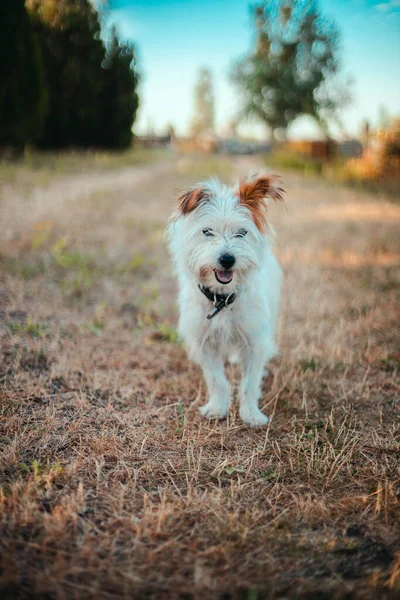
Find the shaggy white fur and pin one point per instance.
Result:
(213, 226)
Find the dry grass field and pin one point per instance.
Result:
(112, 486)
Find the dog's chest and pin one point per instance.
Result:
(229, 327)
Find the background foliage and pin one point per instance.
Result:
(92, 91)
(293, 68)
(22, 92)
(80, 93)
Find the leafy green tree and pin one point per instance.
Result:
(294, 68)
(204, 117)
(22, 92)
(92, 90)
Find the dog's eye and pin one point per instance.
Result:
(208, 232)
(241, 233)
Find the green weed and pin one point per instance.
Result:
(308, 364)
(36, 330)
(166, 333)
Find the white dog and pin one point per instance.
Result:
(230, 286)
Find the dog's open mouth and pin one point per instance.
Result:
(224, 276)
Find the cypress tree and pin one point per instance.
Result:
(22, 92)
(120, 100)
(92, 92)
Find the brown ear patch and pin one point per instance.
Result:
(252, 193)
(190, 200)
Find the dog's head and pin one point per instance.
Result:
(217, 233)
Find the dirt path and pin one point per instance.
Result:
(67, 194)
(112, 485)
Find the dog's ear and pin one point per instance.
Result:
(190, 200)
(252, 193)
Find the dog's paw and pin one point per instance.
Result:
(254, 418)
(213, 411)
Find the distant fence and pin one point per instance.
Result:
(189, 145)
(208, 144)
(325, 150)
(350, 149)
(153, 141)
(237, 146)
(313, 149)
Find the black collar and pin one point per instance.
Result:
(219, 300)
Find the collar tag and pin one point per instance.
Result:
(219, 300)
(216, 309)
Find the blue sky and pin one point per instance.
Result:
(176, 37)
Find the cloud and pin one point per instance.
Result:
(391, 6)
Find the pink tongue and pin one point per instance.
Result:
(224, 276)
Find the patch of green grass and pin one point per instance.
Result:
(308, 364)
(96, 327)
(390, 364)
(355, 312)
(78, 270)
(149, 292)
(36, 468)
(68, 259)
(146, 318)
(42, 234)
(136, 263)
(77, 285)
(36, 330)
(98, 323)
(270, 474)
(42, 474)
(40, 239)
(38, 168)
(157, 235)
(166, 333)
(364, 309)
(287, 160)
(21, 268)
(349, 547)
(230, 470)
(199, 167)
(334, 171)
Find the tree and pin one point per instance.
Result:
(203, 119)
(22, 92)
(120, 98)
(92, 90)
(294, 68)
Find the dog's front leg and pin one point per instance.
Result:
(217, 385)
(253, 362)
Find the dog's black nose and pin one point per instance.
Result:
(227, 261)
